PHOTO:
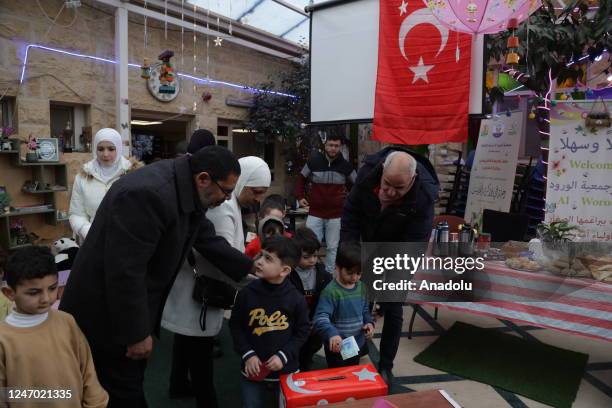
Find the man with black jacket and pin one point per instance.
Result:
(142, 231)
(391, 201)
(330, 177)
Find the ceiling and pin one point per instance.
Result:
(267, 15)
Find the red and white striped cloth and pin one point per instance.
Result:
(578, 306)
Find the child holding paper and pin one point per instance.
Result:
(342, 317)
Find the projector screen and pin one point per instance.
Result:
(343, 61)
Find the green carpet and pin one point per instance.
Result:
(538, 371)
(227, 374)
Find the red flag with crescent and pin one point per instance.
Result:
(423, 79)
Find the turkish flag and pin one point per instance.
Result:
(423, 80)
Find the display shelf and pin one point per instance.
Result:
(44, 174)
(9, 151)
(22, 214)
(44, 191)
(12, 248)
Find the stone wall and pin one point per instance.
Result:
(53, 77)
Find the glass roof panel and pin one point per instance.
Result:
(265, 15)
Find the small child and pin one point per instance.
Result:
(310, 278)
(271, 215)
(269, 322)
(343, 309)
(42, 348)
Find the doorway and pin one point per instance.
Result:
(155, 135)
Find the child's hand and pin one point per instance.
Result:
(376, 312)
(335, 344)
(274, 363)
(369, 330)
(252, 366)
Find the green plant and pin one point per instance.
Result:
(551, 39)
(5, 200)
(282, 118)
(557, 231)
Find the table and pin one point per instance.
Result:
(573, 305)
(292, 214)
(420, 399)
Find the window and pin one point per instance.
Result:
(7, 112)
(69, 125)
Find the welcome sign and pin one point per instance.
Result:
(492, 175)
(579, 188)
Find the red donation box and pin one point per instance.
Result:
(332, 385)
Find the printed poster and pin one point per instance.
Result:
(492, 175)
(579, 185)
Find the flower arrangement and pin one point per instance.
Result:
(7, 131)
(32, 144)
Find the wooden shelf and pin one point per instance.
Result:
(28, 164)
(45, 191)
(12, 248)
(18, 214)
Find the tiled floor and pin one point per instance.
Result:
(595, 390)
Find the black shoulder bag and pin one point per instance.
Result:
(210, 292)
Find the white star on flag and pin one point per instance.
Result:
(420, 71)
(218, 41)
(365, 375)
(402, 8)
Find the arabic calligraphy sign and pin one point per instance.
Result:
(492, 175)
(579, 187)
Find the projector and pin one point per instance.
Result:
(72, 3)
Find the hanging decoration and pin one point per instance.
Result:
(513, 43)
(218, 40)
(145, 69)
(206, 96)
(480, 16)
(166, 73)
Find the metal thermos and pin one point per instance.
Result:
(467, 237)
(441, 239)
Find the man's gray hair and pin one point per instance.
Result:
(411, 163)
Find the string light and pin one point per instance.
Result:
(132, 65)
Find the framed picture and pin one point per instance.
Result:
(48, 150)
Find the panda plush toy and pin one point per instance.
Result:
(66, 250)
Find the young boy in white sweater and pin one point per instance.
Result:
(44, 356)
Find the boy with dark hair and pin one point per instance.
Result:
(309, 278)
(269, 322)
(343, 310)
(41, 348)
(270, 222)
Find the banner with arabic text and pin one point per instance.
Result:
(492, 174)
(579, 186)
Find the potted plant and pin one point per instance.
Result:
(5, 200)
(32, 144)
(557, 239)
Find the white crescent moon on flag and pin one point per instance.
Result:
(421, 16)
(295, 388)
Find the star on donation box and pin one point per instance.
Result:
(366, 375)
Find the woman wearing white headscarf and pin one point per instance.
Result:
(95, 178)
(193, 342)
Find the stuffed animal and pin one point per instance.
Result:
(66, 250)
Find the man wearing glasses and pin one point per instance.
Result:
(391, 201)
(143, 230)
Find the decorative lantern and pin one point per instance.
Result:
(480, 16)
(513, 42)
(145, 69)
